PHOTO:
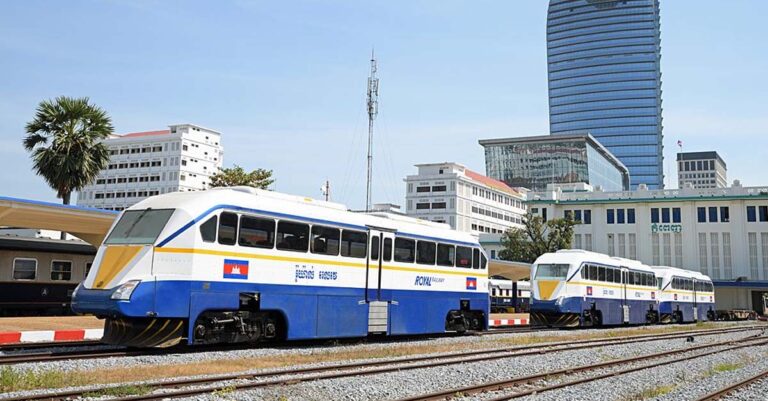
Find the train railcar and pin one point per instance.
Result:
(38, 275)
(571, 288)
(684, 295)
(509, 296)
(241, 264)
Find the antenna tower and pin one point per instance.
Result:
(373, 110)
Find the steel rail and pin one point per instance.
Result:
(725, 391)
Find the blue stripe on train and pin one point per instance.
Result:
(310, 311)
(611, 308)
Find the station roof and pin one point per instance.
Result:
(90, 225)
(511, 270)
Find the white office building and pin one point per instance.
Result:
(721, 232)
(467, 201)
(701, 170)
(143, 164)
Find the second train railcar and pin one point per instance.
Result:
(509, 296)
(684, 296)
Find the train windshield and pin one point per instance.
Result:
(552, 272)
(139, 226)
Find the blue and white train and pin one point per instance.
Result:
(241, 264)
(573, 288)
(684, 295)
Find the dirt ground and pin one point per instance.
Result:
(49, 323)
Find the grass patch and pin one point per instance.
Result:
(654, 392)
(726, 367)
(120, 391)
(14, 380)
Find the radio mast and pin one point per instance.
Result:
(373, 110)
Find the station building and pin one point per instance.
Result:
(467, 201)
(144, 164)
(721, 232)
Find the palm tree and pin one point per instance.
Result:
(65, 140)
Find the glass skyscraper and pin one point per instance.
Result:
(604, 78)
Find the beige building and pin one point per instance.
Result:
(701, 170)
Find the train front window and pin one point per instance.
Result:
(139, 226)
(551, 272)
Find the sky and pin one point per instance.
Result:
(285, 81)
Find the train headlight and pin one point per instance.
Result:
(124, 291)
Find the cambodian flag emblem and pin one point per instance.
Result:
(589, 291)
(237, 269)
(653, 295)
(471, 283)
(675, 297)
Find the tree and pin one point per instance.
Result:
(65, 141)
(536, 238)
(235, 176)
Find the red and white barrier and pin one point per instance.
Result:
(507, 322)
(12, 337)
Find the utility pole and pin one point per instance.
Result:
(326, 189)
(373, 110)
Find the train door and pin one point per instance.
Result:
(694, 284)
(378, 300)
(624, 300)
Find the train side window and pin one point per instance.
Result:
(584, 272)
(375, 245)
(483, 261)
(446, 255)
(292, 236)
(601, 273)
(208, 229)
(227, 229)
(674, 283)
(24, 269)
(617, 276)
(255, 232)
(354, 244)
(592, 272)
(425, 252)
(88, 266)
(475, 258)
(463, 257)
(325, 240)
(387, 249)
(609, 275)
(404, 250)
(61, 270)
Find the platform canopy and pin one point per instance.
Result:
(90, 225)
(512, 270)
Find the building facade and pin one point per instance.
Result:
(701, 170)
(534, 162)
(467, 201)
(143, 164)
(603, 61)
(722, 233)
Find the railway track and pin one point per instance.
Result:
(47, 344)
(276, 378)
(509, 384)
(726, 391)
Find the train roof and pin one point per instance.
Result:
(577, 257)
(676, 271)
(199, 203)
(14, 243)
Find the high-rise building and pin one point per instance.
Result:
(468, 201)
(143, 164)
(603, 61)
(701, 170)
(534, 162)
